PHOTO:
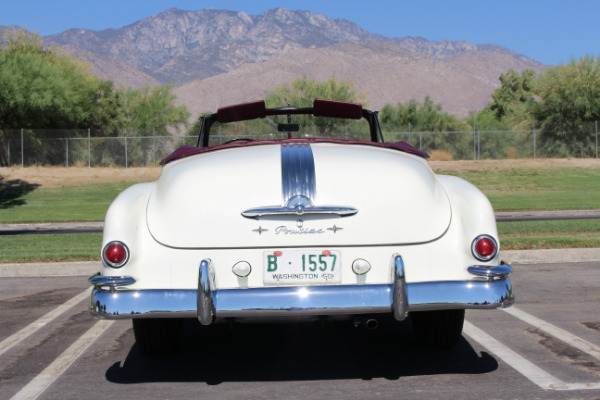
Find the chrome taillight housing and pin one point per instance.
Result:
(484, 247)
(115, 254)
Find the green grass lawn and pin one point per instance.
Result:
(549, 234)
(48, 247)
(537, 189)
(64, 204)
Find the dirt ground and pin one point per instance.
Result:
(543, 163)
(61, 176)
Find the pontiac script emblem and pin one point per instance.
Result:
(299, 231)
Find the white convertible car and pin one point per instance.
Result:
(304, 214)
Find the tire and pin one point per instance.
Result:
(158, 336)
(439, 329)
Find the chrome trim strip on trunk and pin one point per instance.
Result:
(298, 176)
(299, 186)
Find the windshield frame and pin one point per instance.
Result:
(321, 108)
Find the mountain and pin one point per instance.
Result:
(217, 57)
(181, 46)
(107, 68)
(385, 72)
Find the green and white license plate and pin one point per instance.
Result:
(290, 267)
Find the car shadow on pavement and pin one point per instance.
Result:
(297, 352)
(12, 191)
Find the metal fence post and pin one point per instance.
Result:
(478, 145)
(153, 146)
(22, 150)
(126, 161)
(534, 148)
(66, 152)
(89, 149)
(596, 139)
(474, 147)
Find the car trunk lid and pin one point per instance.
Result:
(297, 195)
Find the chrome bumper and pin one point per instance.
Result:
(109, 299)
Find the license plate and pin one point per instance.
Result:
(289, 267)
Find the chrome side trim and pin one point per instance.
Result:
(206, 285)
(399, 299)
(298, 176)
(491, 272)
(299, 301)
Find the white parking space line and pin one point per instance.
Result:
(555, 331)
(30, 329)
(53, 371)
(525, 367)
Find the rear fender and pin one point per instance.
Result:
(472, 213)
(126, 221)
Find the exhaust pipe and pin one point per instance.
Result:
(370, 323)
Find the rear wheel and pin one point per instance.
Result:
(158, 336)
(440, 328)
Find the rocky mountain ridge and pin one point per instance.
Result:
(224, 54)
(386, 73)
(181, 46)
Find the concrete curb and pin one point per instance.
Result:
(89, 268)
(30, 270)
(550, 256)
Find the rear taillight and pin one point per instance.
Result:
(484, 247)
(115, 254)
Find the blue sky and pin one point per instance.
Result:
(550, 31)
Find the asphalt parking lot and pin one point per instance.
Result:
(546, 346)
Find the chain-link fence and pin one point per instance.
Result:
(91, 148)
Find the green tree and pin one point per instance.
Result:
(495, 137)
(149, 110)
(427, 117)
(302, 92)
(41, 89)
(513, 98)
(569, 103)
